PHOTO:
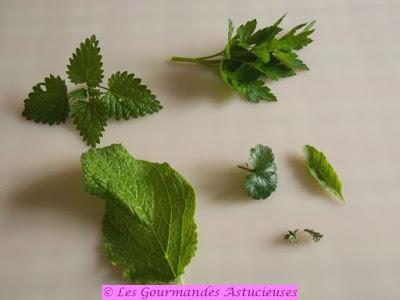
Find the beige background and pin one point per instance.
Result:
(347, 105)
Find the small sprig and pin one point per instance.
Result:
(250, 57)
(291, 236)
(91, 104)
(316, 236)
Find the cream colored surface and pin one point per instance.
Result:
(347, 105)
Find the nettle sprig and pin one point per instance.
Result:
(251, 57)
(90, 104)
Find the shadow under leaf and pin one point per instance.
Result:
(62, 194)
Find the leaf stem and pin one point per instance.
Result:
(245, 168)
(103, 87)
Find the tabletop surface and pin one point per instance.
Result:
(347, 105)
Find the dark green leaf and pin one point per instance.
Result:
(85, 66)
(128, 98)
(263, 178)
(90, 118)
(48, 102)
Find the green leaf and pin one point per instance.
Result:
(274, 70)
(127, 98)
(323, 171)
(148, 226)
(316, 236)
(79, 94)
(48, 102)
(290, 60)
(245, 31)
(263, 179)
(266, 35)
(292, 237)
(85, 65)
(90, 118)
(293, 41)
(230, 29)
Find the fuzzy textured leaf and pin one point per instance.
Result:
(85, 65)
(48, 102)
(127, 98)
(148, 226)
(90, 118)
(263, 179)
(323, 171)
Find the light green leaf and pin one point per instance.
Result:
(128, 98)
(263, 179)
(323, 171)
(90, 118)
(148, 226)
(85, 65)
(48, 102)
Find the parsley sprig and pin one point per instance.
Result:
(91, 104)
(250, 57)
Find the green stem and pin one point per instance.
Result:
(103, 87)
(245, 168)
(196, 59)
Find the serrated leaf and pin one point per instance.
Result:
(90, 118)
(290, 60)
(265, 35)
(263, 178)
(274, 70)
(323, 171)
(85, 65)
(148, 226)
(254, 91)
(127, 98)
(246, 30)
(291, 40)
(48, 102)
(79, 94)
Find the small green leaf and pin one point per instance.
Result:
(291, 236)
(323, 171)
(48, 102)
(263, 178)
(316, 236)
(90, 118)
(148, 227)
(85, 65)
(127, 98)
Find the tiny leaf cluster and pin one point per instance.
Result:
(252, 56)
(292, 235)
(91, 104)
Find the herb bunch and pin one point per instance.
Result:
(90, 104)
(250, 57)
